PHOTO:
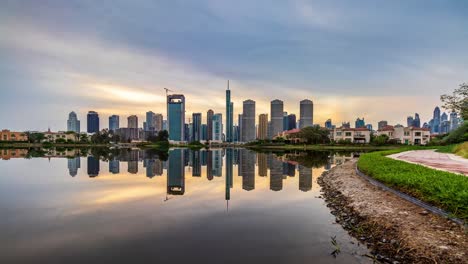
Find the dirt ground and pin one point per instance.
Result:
(396, 230)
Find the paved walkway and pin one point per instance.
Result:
(435, 160)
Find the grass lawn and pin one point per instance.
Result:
(446, 190)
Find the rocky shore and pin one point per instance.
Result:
(395, 230)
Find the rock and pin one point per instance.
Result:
(443, 247)
(424, 212)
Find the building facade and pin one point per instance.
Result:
(7, 135)
(262, 127)
(382, 124)
(176, 117)
(276, 117)
(209, 124)
(248, 121)
(132, 121)
(93, 122)
(407, 135)
(73, 124)
(114, 122)
(196, 127)
(217, 128)
(229, 115)
(352, 135)
(306, 115)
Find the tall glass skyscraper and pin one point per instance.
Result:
(114, 122)
(93, 122)
(176, 117)
(306, 117)
(218, 127)
(150, 121)
(436, 122)
(73, 124)
(276, 115)
(229, 115)
(196, 127)
(209, 124)
(248, 121)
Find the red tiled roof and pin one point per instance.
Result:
(292, 131)
(353, 129)
(387, 128)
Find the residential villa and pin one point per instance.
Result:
(290, 135)
(407, 135)
(54, 136)
(354, 135)
(7, 135)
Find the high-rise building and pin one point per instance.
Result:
(158, 122)
(454, 120)
(132, 121)
(209, 124)
(328, 124)
(306, 117)
(240, 127)
(149, 123)
(436, 121)
(217, 128)
(196, 127)
(73, 124)
(114, 122)
(176, 117)
(443, 117)
(285, 121)
(229, 115)
(203, 134)
(248, 121)
(409, 121)
(359, 123)
(93, 122)
(382, 124)
(262, 127)
(416, 121)
(276, 117)
(291, 121)
(176, 172)
(369, 127)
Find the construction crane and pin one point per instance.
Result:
(167, 91)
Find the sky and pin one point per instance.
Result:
(381, 60)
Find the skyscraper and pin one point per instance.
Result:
(409, 121)
(306, 117)
(114, 122)
(196, 126)
(276, 116)
(285, 121)
(158, 122)
(248, 121)
(209, 124)
(382, 124)
(149, 124)
(73, 124)
(132, 121)
(239, 120)
(93, 166)
(416, 121)
(291, 121)
(359, 123)
(262, 127)
(229, 115)
(217, 128)
(176, 117)
(73, 165)
(93, 122)
(453, 120)
(328, 124)
(176, 172)
(436, 122)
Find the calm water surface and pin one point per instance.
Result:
(132, 206)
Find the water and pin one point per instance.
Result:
(219, 206)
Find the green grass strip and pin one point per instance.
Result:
(446, 190)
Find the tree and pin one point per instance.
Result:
(163, 135)
(379, 140)
(35, 137)
(314, 135)
(457, 101)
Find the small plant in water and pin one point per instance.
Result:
(336, 247)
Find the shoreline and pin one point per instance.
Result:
(393, 228)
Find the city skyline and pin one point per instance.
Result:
(337, 55)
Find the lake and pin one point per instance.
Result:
(132, 206)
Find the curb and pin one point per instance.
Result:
(411, 199)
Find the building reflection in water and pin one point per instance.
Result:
(93, 166)
(114, 166)
(209, 165)
(176, 172)
(73, 165)
(196, 163)
(305, 178)
(133, 161)
(262, 164)
(229, 180)
(276, 174)
(247, 167)
(217, 163)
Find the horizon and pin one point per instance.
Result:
(352, 60)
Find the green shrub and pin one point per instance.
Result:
(458, 135)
